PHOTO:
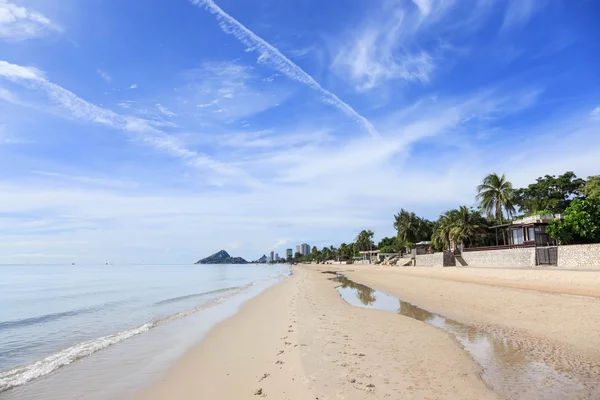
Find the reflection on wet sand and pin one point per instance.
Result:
(511, 370)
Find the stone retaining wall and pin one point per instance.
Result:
(430, 260)
(501, 258)
(445, 259)
(579, 256)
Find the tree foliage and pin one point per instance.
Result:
(592, 187)
(581, 222)
(364, 240)
(549, 193)
(496, 196)
(411, 228)
(458, 226)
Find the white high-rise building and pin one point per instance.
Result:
(299, 249)
(276, 257)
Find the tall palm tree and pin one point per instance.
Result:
(496, 194)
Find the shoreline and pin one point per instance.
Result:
(300, 340)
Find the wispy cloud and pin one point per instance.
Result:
(92, 180)
(19, 23)
(165, 111)
(272, 56)
(104, 75)
(142, 130)
(520, 11)
(378, 52)
(133, 86)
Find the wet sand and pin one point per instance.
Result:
(552, 333)
(301, 340)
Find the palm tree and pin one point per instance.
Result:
(496, 194)
(411, 228)
(465, 224)
(441, 232)
(364, 240)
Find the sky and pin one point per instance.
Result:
(161, 131)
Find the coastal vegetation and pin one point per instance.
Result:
(498, 203)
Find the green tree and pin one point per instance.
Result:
(592, 187)
(411, 228)
(465, 224)
(496, 196)
(581, 222)
(441, 237)
(364, 240)
(549, 193)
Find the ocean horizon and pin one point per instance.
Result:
(60, 324)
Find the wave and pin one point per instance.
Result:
(190, 296)
(21, 375)
(54, 316)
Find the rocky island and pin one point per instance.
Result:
(222, 257)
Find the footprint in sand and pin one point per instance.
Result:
(265, 376)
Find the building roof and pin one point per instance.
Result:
(534, 219)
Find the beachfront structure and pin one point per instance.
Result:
(527, 232)
(272, 257)
(289, 253)
(369, 257)
(423, 247)
(299, 249)
(304, 249)
(276, 256)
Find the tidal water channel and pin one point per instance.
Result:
(509, 369)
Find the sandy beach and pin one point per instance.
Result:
(301, 340)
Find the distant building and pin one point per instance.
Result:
(272, 257)
(276, 257)
(289, 253)
(299, 249)
(305, 249)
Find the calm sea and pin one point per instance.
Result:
(89, 331)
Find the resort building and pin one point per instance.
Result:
(289, 253)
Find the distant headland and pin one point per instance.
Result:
(222, 257)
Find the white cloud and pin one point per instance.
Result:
(12, 71)
(165, 111)
(424, 6)
(144, 131)
(378, 52)
(91, 180)
(107, 78)
(133, 86)
(19, 23)
(272, 56)
(227, 91)
(595, 112)
(521, 11)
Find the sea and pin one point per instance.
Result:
(106, 331)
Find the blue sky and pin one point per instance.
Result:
(162, 131)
